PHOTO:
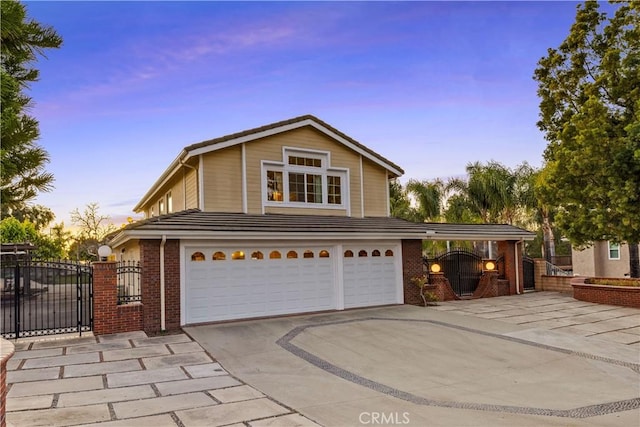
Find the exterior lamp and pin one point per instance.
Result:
(435, 268)
(103, 252)
(490, 265)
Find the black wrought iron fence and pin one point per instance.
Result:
(129, 274)
(45, 297)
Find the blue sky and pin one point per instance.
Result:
(431, 86)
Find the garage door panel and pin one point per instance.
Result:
(234, 289)
(369, 280)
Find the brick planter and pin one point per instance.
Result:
(626, 296)
(6, 351)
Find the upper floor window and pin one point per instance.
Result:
(614, 250)
(169, 202)
(160, 207)
(305, 179)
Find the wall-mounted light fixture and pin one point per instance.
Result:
(489, 265)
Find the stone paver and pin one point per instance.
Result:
(89, 348)
(29, 402)
(198, 384)
(153, 421)
(134, 353)
(34, 388)
(227, 413)
(105, 396)
(123, 379)
(208, 370)
(102, 368)
(236, 394)
(33, 375)
(32, 354)
(53, 417)
(291, 420)
(184, 359)
(185, 347)
(159, 405)
(73, 359)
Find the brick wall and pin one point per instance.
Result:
(108, 316)
(443, 289)
(554, 284)
(6, 351)
(412, 266)
(150, 284)
(626, 296)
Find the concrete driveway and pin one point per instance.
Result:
(493, 362)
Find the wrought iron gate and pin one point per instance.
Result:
(462, 268)
(529, 279)
(45, 298)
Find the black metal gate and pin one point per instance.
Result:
(462, 268)
(45, 297)
(529, 279)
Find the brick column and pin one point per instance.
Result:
(105, 296)
(6, 351)
(172, 284)
(412, 266)
(150, 285)
(507, 250)
(539, 270)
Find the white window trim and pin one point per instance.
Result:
(609, 251)
(325, 170)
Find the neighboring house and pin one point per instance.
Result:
(287, 218)
(603, 259)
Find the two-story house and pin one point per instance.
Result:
(287, 218)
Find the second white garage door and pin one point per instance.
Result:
(370, 275)
(236, 283)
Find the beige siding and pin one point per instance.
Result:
(304, 211)
(191, 186)
(271, 149)
(375, 194)
(130, 251)
(222, 177)
(176, 187)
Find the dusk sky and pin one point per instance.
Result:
(431, 86)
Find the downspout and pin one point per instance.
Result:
(162, 284)
(517, 267)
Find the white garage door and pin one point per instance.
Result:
(370, 275)
(236, 283)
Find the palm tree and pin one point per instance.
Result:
(428, 197)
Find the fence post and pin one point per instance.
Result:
(105, 297)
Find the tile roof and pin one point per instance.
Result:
(197, 224)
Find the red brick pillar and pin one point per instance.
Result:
(172, 284)
(105, 297)
(150, 284)
(508, 250)
(6, 351)
(412, 266)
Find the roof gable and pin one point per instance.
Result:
(254, 134)
(287, 125)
